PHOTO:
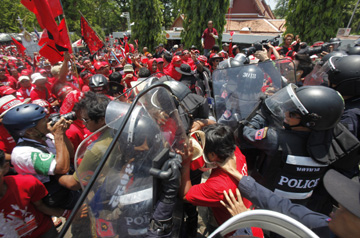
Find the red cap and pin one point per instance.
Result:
(176, 58)
(160, 60)
(42, 71)
(98, 65)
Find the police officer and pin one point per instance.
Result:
(298, 132)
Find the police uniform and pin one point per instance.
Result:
(286, 166)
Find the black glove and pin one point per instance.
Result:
(171, 186)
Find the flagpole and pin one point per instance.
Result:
(72, 63)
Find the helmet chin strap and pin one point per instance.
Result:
(289, 127)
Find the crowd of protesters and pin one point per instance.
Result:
(83, 81)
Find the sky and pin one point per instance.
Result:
(272, 3)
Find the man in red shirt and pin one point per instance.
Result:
(22, 210)
(219, 149)
(41, 91)
(7, 80)
(25, 88)
(208, 38)
(175, 62)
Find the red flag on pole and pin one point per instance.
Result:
(90, 37)
(50, 52)
(64, 36)
(45, 12)
(19, 46)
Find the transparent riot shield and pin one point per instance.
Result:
(238, 90)
(119, 188)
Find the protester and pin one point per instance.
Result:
(208, 38)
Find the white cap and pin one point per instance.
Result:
(23, 77)
(36, 76)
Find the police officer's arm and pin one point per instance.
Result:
(62, 152)
(266, 199)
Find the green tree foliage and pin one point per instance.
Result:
(315, 20)
(197, 14)
(281, 9)
(355, 23)
(147, 18)
(170, 11)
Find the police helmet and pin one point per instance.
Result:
(319, 107)
(334, 53)
(98, 82)
(179, 89)
(324, 106)
(22, 117)
(251, 78)
(242, 58)
(355, 50)
(344, 74)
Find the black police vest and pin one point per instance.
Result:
(291, 172)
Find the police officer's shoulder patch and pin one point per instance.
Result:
(261, 134)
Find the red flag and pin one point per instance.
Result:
(64, 36)
(90, 37)
(44, 38)
(19, 46)
(45, 12)
(50, 52)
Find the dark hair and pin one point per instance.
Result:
(84, 73)
(115, 77)
(144, 72)
(95, 104)
(168, 57)
(220, 140)
(2, 158)
(216, 48)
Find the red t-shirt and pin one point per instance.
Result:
(20, 216)
(7, 142)
(172, 72)
(77, 132)
(9, 81)
(70, 100)
(45, 94)
(210, 193)
(23, 93)
(209, 41)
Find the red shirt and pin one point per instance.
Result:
(209, 41)
(70, 100)
(20, 216)
(9, 81)
(7, 142)
(127, 81)
(23, 93)
(45, 94)
(172, 72)
(210, 193)
(77, 132)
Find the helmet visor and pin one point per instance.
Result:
(285, 100)
(319, 75)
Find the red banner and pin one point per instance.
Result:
(19, 46)
(90, 37)
(45, 12)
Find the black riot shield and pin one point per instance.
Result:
(119, 190)
(238, 90)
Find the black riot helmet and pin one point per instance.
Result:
(242, 58)
(179, 89)
(250, 78)
(320, 107)
(355, 50)
(339, 53)
(98, 83)
(229, 63)
(344, 74)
